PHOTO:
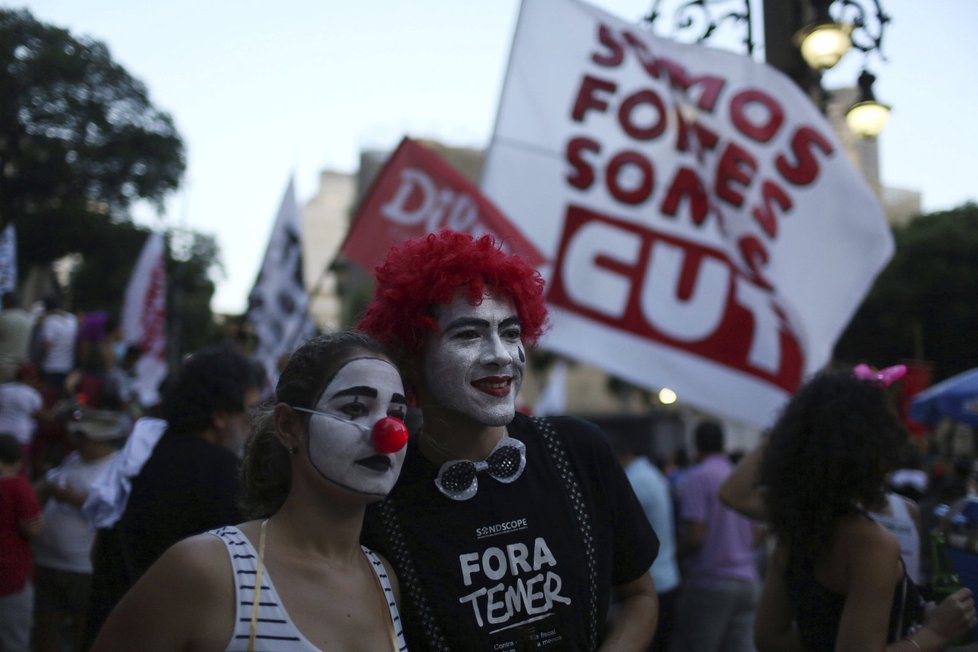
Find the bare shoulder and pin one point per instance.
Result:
(866, 544)
(201, 560)
(197, 554)
(858, 530)
(184, 601)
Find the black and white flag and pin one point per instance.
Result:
(277, 305)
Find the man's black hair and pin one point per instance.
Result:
(213, 379)
(709, 437)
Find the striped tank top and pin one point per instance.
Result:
(276, 632)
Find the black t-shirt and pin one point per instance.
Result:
(520, 566)
(187, 486)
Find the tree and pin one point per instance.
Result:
(80, 141)
(189, 293)
(923, 304)
(99, 280)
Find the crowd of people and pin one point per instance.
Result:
(389, 495)
(53, 361)
(721, 560)
(92, 490)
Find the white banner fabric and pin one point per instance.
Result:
(704, 228)
(553, 399)
(144, 318)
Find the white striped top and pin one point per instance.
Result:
(276, 631)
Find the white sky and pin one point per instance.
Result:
(262, 90)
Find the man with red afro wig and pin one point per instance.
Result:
(430, 271)
(507, 532)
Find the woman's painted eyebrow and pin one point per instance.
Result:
(361, 390)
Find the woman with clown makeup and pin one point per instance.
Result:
(507, 532)
(296, 577)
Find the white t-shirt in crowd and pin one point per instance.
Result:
(18, 405)
(66, 540)
(59, 331)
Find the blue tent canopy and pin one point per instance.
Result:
(956, 397)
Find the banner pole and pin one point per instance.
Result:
(502, 92)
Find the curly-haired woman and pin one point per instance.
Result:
(836, 581)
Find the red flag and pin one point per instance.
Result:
(144, 318)
(417, 193)
(916, 380)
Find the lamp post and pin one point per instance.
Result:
(867, 117)
(802, 38)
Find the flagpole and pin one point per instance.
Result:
(502, 92)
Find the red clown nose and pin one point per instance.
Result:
(389, 435)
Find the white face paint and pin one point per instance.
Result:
(474, 364)
(339, 444)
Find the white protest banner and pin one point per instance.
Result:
(278, 301)
(144, 318)
(704, 228)
(8, 259)
(553, 398)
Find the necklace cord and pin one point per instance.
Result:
(253, 629)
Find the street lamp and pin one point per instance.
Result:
(802, 39)
(824, 43)
(867, 117)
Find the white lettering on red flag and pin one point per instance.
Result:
(706, 230)
(417, 193)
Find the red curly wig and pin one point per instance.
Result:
(422, 273)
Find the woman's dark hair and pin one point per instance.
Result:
(827, 456)
(266, 471)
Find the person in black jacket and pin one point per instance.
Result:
(189, 483)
